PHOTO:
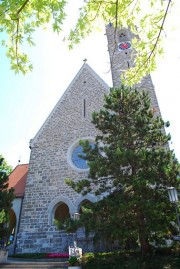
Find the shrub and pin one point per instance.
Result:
(131, 260)
(73, 261)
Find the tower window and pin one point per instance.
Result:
(123, 40)
(122, 37)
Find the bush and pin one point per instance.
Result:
(132, 260)
(30, 255)
(73, 261)
(63, 256)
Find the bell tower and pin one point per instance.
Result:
(121, 58)
(120, 52)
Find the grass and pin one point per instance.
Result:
(29, 256)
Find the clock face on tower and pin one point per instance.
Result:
(124, 45)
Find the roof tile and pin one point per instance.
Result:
(17, 179)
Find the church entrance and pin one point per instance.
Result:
(61, 212)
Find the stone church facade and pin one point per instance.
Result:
(54, 155)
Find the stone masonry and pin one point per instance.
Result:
(50, 164)
(51, 148)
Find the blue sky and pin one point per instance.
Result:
(26, 101)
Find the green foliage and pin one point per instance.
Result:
(131, 260)
(145, 18)
(59, 224)
(162, 258)
(19, 19)
(4, 166)
(30, 256)
(131, 167)
(2, 216)
(73, 261)
(69, 225)
(6, 198)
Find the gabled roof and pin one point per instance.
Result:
(93, 73)
(17, 179)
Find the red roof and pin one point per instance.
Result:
(17, 179)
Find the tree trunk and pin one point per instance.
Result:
(143, 237)
(145, 246)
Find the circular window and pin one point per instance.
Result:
(76, 154)
(77, 160)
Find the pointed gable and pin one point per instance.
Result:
(82, 91)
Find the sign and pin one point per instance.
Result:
(75, 251)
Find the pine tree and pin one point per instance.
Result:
(131, 166)
(6, 198)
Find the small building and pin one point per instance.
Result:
(17, 180)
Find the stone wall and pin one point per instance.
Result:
(50, 164)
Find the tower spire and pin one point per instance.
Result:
(120, 52)
(121, 58)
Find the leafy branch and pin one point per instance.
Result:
(22, 7)
(152, 53)
(19, 19)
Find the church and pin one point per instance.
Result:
(41, 193)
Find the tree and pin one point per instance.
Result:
(6, 198)
(19, 19)
(146, 18)
(131, 166)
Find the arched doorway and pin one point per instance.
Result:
(12, 225)
(12, 221)
(61, 212)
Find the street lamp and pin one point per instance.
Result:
(173, 198)
(76, 216)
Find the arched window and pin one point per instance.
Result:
(84, 203)
(12, 225)
(61, 212)
(12, 221)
